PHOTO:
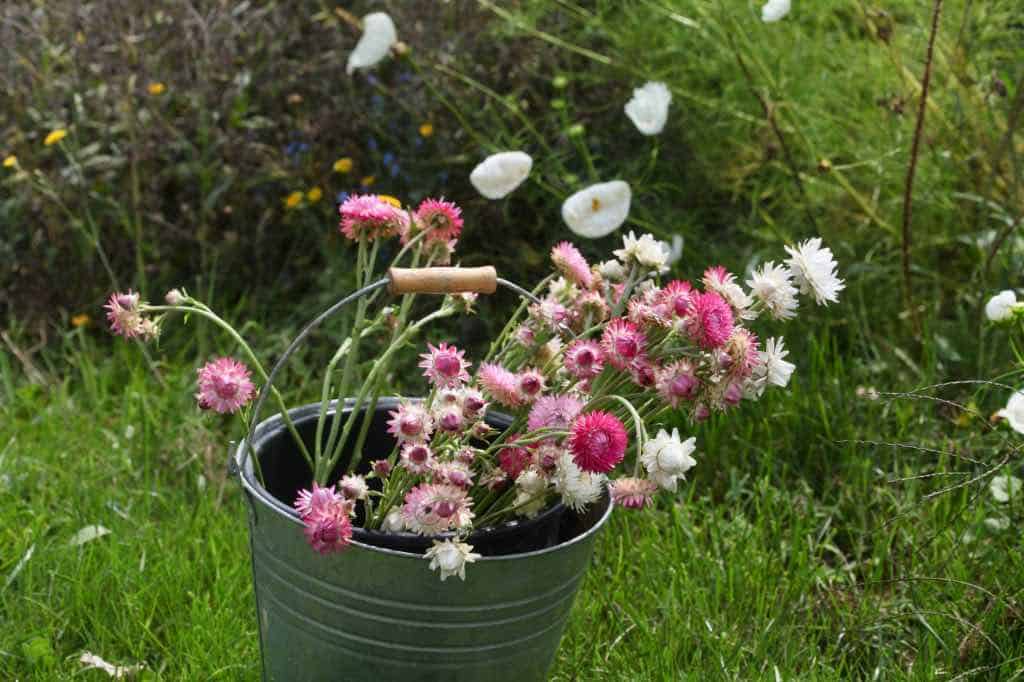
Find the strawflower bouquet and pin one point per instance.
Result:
(587, 369)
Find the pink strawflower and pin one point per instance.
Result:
(677, 381)
(473, 403)
(444, 366)
(455, 473)
(410, 423)
(717, 277)
(622, 343)
(550, 314)
(701, 412)
(530, 384)
(645, 311)
(370, 216)
(224, 386)
(417, 458)
(449, 418)
(328, 533)
(743, 352)
(353, 487)
(584, 359)
(677, 297)
(571, 263)
(381, 468)
(466, 455)
(591, 304)
(598, 442)
(553, 411)
(442, 220)
(501, 384)
(513, 460)
(642, 372)
(125, 316)
(525, 337)
(710, 320)
(632, 493)
(317, 501)
(432, 508)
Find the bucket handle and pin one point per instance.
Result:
(434, 280)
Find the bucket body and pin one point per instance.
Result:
(372, 613)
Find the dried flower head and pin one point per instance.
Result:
(225, 386)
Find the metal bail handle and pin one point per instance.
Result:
(437, 280)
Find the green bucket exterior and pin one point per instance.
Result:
(377, 614)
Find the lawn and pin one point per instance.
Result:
(845, 528)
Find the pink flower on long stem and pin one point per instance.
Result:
(710, 320)
(571, 263)
(530, 384)
(622, 343)
(125, 316)
(743, 352)
(584, 359)
(410, 423)
(553, 411)
(632, 493)
(444, 366)
(319, 500)
(370, 216)
(677, 381)
(455, 473)
(225, 386)
(501, 384)
(598, 442)
(328, 533)
(440, 219)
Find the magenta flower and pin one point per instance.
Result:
(224, 386)
(642, 372)
(553, 411)
(622, 343)
(432, 508)
(632, 493)
(530, 384)
(677, 381)
(677, 297)
(410, 423)
(444, 366)
(598, 442)
(442, 220)
(710, 320)
(514, 460)
(417, 458)
(124, 312)
(370, 216)
(501, 384)
(317, 501)
(584, 359)
(328, 533)
(571, 263)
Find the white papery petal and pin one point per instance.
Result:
(1000, 307)
(497, 175)
(598, 210)
(774, 10)
(648, 108)
(379, 35)
(1004, 487)
(1013, 413)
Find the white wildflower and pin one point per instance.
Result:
(563, 289)
(646, 251)
(1001, 306)
(394, 522)
(379, 35)
(1004, 487)
(774, 10)
(496, 176)
(667, 458)
(578, 488)
(776, 369)
(598, 210)
(450, 558)
(648, 108)
(1013, 413)
(612, 270)
(773, 286)
(530, 496)
(814, 270)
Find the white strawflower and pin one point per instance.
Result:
(1004, 487)
(648, 108)
(612, 270)
(393, 521)
(496, 176)
(563, 290)
(1001, 306)
(667, 458)
(379, 35)
(814, 270)
(578, 488)
(776, 369)
(646, 251)
(598, 210)
(1013, 413)
(773, 285)
(530, 496)
(774, 10)
(450, 558)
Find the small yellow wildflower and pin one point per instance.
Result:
(293, 200)
(368, 180)
(426, 129)
(156, 88)
(55, 136)
(394, 201)
(314, 195)
(343, 165)
(11, 161)
(80, 320)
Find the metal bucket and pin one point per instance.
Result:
(370, 613)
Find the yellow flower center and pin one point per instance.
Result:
(595, 204)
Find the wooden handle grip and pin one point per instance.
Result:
(443, 280)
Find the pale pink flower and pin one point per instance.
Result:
(530, 384)
(442, 220)
(677, 381)
(553, 411)
(743, 352)
(473, 403)
(571, 263)
(647, 310)
(632, 493)
(317, 501)
(501, 384)
(450, 418)
(417, 458)
(622, 343)
(710, 320)
(466, 455)
(411, 422)
(524, 336)
(328, 533)
(598, 442)
(733, 393)
(433, 508)
(224, 386)
(381, 468)
(444, 366)
(353, 487)
(370, 216)
(677, 296)
(455, 473)
(550, 314)
(724, 283)
(584, 359)
(125, 316)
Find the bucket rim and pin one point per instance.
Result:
(257, 492)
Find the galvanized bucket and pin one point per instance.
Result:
(370, 613)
